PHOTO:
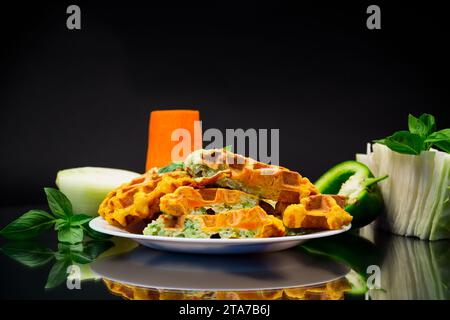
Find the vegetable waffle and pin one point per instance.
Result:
(219, 194)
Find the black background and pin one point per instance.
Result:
(78, 98)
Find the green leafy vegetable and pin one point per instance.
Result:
(79, 219)
(93, 249)
(58, 273)
(28, 253)
(61, 223)
(67, 255)
(29, 225)
(94, 234)
(172, 167)
(441, 139)
(228, 148)
(32, 254)
(404, 142)
(58, 203)
(70, 227)
(422, 135)
(70, 234)
(422, 126)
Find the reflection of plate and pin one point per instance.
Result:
(211, 246)
(155, 269)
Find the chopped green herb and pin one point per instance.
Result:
(172, 167)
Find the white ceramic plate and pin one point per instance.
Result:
(211, 246)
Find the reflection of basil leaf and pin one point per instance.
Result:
(29, 225)
(80, 257)
(83, 253)
(58, 203)
(70, 235)
(30, 254)
(65, 249)
(95, 248)
(58, 273)
(172, 167)
(403, 142)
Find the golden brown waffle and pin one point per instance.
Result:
(330, 291)
(131, 292)
(134, 204)
(323, 212)
(252, 219)
(186, 199)
(264, 180)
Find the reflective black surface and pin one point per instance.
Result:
(338, 267)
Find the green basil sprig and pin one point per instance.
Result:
(422, 135)
(69, 226)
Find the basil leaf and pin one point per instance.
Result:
(58, 203)
(404, 142)
(172, 167)
(58, 273)
(94, 234)
(60, 223)
(441, 135)
(429, 122)
(70, 235)
(29, 225)
(416, 126)
(440, 139)
(79, 219)
(228, 148)
(443, 145)
(28, 253)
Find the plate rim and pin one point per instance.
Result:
(95, 225)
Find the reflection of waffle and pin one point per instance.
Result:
(317, 212)
(252, 219)
(185, 199)
(136, 202)
(266, 181)
(330, 291)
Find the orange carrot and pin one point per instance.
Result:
(161, 133)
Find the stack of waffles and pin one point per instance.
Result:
(220, 194)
